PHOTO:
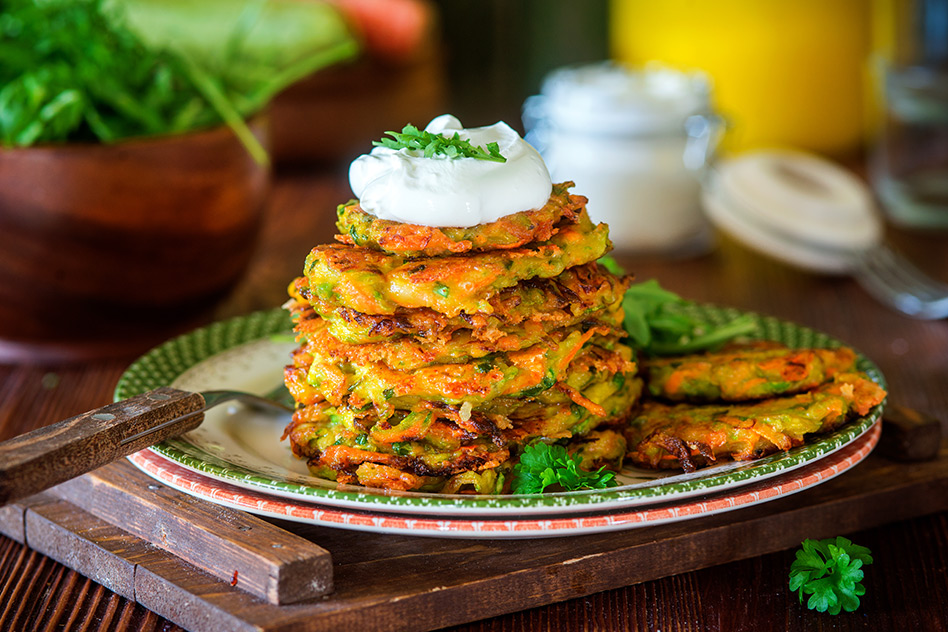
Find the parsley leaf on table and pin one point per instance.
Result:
(830, 571)
(542, 465)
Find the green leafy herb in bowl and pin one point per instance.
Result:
(133, 168)
(98, 71)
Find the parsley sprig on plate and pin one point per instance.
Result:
(431, 144)
(657, 324)
(830, 572)
(544, 465)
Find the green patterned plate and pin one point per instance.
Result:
(244, 447)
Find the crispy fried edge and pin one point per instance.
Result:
(359, 228)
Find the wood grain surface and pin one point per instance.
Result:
(452, 581)
(103, 552)
(906, 587)
(49, 455)
(268, 562)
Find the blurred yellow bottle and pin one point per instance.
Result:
(786, 72)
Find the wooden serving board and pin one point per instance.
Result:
(388, 582)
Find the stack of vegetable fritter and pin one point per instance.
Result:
(745, 403)
(430, 356)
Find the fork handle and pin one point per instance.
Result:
(54, 454)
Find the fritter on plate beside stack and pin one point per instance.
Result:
(744, 403)
(430, 356)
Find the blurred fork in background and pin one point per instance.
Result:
(894, 280)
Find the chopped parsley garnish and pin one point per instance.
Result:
(402, 448)
(439, 145)
(484, 367)
(546, 383)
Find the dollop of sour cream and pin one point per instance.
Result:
(404, 186)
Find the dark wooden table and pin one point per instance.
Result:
(907, 587)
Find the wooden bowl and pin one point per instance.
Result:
(104, 242)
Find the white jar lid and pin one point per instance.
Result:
(609, 98)
(795, 207)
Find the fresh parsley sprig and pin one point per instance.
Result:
(830, 571)
(657, 323)
(542, 465)
(437, 144)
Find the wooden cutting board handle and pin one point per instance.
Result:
(56, 453)
(909, 434)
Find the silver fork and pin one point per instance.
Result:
(895, 281)
(278, 400)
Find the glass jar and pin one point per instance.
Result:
(636, 143)
(909, 158)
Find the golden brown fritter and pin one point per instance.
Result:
(436, 447)
(359, 228)
(744, 373)
(600, 448)
(689, 436)
(516, 374)
(404, 353)
(429, 357)
(425, 443)
(523, 311)
(372, 282)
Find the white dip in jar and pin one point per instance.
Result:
(636, 143)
